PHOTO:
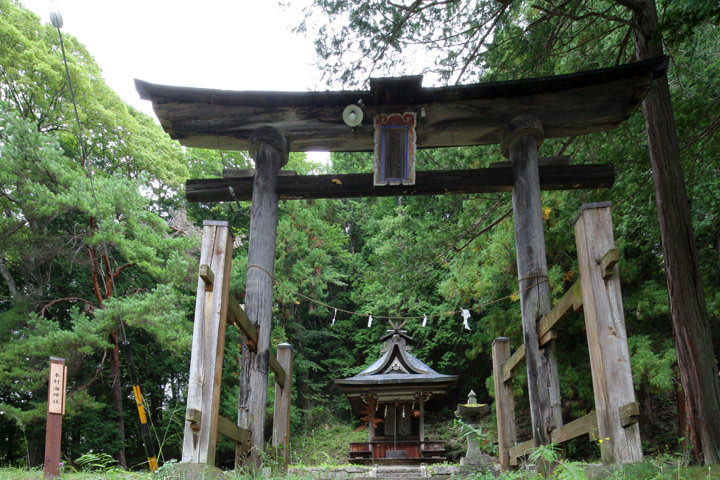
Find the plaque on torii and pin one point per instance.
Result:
(519, 115)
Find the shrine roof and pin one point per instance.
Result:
(397, 367)
(573, 104)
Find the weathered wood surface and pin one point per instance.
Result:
(574, 104)
(53, 436)
(521, 140)
(694, 328)
(576, 428)
(580, 426)
(207, 276)
(608, 261)
(504, 401)
(238, 317)
(522, 448)
(606, 334)
(227, 428)
(433, 182)
(269, 150)
(208, 344)
(512, 362)
(57, 385)
(570, 302)
(281, 412)
(629, 414)
(193, 416)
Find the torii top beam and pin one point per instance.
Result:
(567, 105)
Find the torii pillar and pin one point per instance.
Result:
(520, 142)
(269, 149)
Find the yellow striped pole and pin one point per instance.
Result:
(144, 428)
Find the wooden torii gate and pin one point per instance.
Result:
(518, 115)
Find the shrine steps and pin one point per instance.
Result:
(388, 472)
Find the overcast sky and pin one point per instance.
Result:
(231, 44)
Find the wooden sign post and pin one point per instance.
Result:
(56, 409)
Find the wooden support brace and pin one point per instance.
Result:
(194, 416)
(238, 317)
(206, 358)
(512, 362)
(523, 448)
(504, 402)
(207, 276)
(607, 337)
(580, 426)
(570, 302)
(228, 429)
(629, 414)
(278, 370)
(281, 412)
(548, 337)
(576, 428)
(608, 261)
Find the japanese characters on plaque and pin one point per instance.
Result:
(394, 149)
(56, 386)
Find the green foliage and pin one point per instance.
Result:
(477, 435)
(79, 256)
(326, 444)
(96, 461)
(405, 256)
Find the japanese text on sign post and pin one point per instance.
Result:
(56, 388)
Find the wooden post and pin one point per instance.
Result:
(421, 433)
(607, 338)
(521, 140)
(56, 409)
(269, 149)
(208, 344)
(504, 402)
(281, 413)
(371, 424)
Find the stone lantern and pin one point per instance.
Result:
(472, 414)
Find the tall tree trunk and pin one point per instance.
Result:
(12, 287)
(116, 392)
(691, 323)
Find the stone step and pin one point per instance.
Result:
(388, 472)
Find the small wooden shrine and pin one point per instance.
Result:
(392, 395)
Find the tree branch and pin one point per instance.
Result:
(576, 18)
(49, 304)
(94, 269)
(473, 53)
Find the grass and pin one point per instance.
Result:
(325, 445)
(661, 468)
